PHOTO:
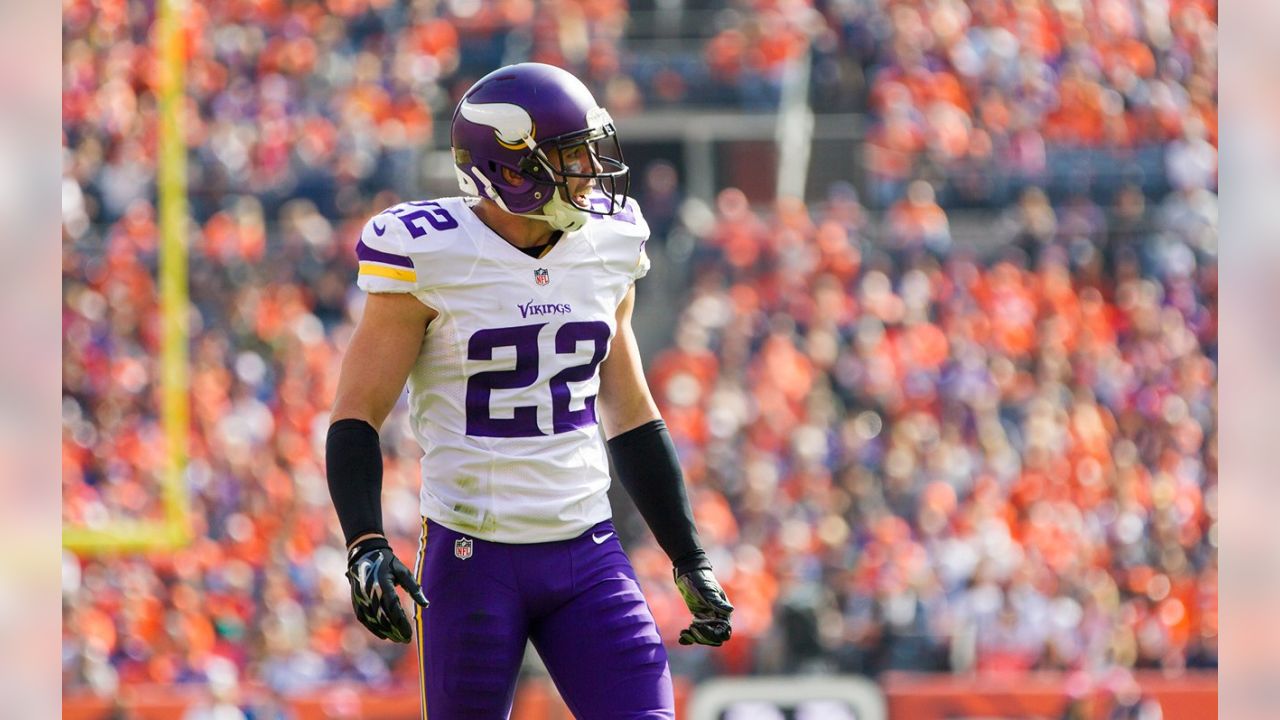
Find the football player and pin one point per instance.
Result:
(508, 311)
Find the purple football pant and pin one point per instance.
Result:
(577, 600)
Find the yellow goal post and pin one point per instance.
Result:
(174, 528)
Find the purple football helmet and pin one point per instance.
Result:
(537, 120)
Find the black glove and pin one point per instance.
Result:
(710, 608)
(374, 571)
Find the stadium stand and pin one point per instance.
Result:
(905, 452)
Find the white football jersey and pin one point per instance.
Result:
(502, 396)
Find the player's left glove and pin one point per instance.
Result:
(710, 608)
(374, 571)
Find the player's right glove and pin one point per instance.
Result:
(374, 571)
(710, 608)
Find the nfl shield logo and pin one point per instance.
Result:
(541, 277)
(462, 548)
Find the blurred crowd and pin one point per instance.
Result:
(328, 101)
(905, 452)
(986, 96)
(334, 101)
(914, 455)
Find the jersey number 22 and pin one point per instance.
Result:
(524, 419)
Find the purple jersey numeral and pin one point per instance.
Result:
(436, 216)
(524, 419)
(563, 419)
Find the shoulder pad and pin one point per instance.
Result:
(628, 221)
(385, 265)
(390, 239)
(624, 238)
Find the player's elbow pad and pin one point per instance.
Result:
(353, 464)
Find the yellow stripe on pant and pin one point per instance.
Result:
(417, 619)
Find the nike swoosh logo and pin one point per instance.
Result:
(601, 538)
(378, 230)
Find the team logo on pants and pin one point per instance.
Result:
(462, 548)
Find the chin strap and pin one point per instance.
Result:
(560, 214)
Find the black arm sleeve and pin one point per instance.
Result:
(646, 463)
(353, 463)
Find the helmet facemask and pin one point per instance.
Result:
(593, 155)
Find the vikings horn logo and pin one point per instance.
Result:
(511, 123)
